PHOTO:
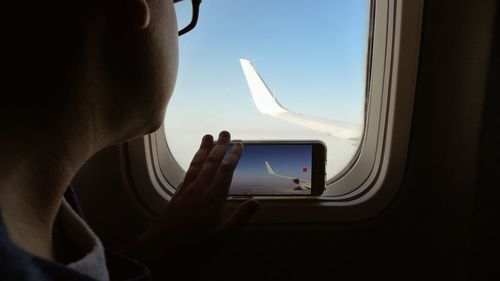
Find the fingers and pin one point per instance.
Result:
(214, 159)
(199, 158)
(238, 219)
(224, 175)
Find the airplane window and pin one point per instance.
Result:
(273, 70)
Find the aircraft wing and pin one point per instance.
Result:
(303, 184)
(267, 104)
(271, 171)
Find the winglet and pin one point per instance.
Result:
(272, 172)
(264, 100)
(270, 169)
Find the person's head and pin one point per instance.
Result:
(100, 70)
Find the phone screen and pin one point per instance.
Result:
(274, 169)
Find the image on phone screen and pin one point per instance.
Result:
(273, 169)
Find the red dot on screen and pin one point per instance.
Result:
(304, 170)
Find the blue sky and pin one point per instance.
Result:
(306, 51)
(311, 54)
(287, 160)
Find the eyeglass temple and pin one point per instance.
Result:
(194, 21)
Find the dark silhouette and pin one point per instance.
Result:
(82, 76)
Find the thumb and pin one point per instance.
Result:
(238, 220)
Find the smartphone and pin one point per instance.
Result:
(280, 168)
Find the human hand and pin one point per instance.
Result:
(193, 218)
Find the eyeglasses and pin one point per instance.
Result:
(187, 14)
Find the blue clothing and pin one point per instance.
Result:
(18, 265)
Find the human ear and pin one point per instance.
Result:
(139, 13)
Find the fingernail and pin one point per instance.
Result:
(206, 140)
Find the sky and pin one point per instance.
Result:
(311, 54)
